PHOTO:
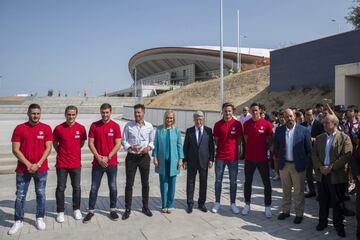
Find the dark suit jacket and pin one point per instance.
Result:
(199, 155)
(340, 154)
(355, 163)
(316, 129)
(301, 147)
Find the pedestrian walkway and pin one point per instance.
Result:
(177, 225)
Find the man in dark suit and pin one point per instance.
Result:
(315, 128)
(292, 144)
(199, 156)
(332, 150)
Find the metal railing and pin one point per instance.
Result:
(184, 117)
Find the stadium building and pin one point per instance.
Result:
(161, 69)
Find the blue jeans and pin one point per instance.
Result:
(167, 187)
(22, 186)
(219, 173)
(96, 176)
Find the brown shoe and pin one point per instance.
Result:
(169, 210)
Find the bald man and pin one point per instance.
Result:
(293, 146)
(332, 150)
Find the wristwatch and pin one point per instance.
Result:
(38, 165)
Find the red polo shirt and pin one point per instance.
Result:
(257, 133)
(32, 141)
(69, 148)
(104, 135)
(227, 134)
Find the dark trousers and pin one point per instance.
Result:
(357, 209)
(192, 170)
(75, 176)
(263, 168)
(96, 176)
(132, 163)
(309, 176)
(331, 196)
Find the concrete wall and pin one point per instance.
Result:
(313, 63)
(347, 84)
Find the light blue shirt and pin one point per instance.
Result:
(329, 141)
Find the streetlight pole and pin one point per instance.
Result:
(238, 43)
(221, 56)
(135, 79)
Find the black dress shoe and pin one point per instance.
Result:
(114, 216)
(282, 216)
(298, 220)
(202, 208)
(147, 211)
(126, 214)
(189, 209)
(310, 195)
(88, 217)
(341, 232)
(321, 226)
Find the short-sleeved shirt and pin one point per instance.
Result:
(227, 133)
(32, 139)
(69, 147)
(257, 133)
(104, 135)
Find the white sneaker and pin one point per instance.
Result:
(15, 227)
(40, 224)
(77, 214)
(234, 208)
(276, 177)
(268, 212)
(216, 207)
(60, 217)
(246, 209)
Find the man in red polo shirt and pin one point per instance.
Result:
(227, 136)
(104, 143)
(258, 137)
(31, 145)
(69, 138)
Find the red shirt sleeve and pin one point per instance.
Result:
(56, 134)
(83, 133)
(16, 137)
(269, 129)
(117, 131)
(48, 134)
(215, 131)
(92, 131)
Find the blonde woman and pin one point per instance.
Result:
(168, 155)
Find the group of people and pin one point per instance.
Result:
(299, 143)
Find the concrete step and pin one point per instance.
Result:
(8, 165)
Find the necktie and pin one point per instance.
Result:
(199, 136)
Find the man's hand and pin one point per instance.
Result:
(155, 161)
(33, 168)
(325, 170)
(146, 150)
(184, 165)
(135, 148)
(210, 164)
(103, 161)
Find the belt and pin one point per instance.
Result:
(140, 155)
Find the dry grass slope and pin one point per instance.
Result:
(241, 89)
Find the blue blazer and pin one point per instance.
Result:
(176, 150)
(301, 148)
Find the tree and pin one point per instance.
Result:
(354, 15)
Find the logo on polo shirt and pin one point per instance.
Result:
(261, 129)
(233, 130)
(77, 134)
(111, 132)
(41, 134)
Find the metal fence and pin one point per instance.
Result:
(184, 117)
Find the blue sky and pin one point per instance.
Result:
(76, 45)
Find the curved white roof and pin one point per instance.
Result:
(261, 52)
